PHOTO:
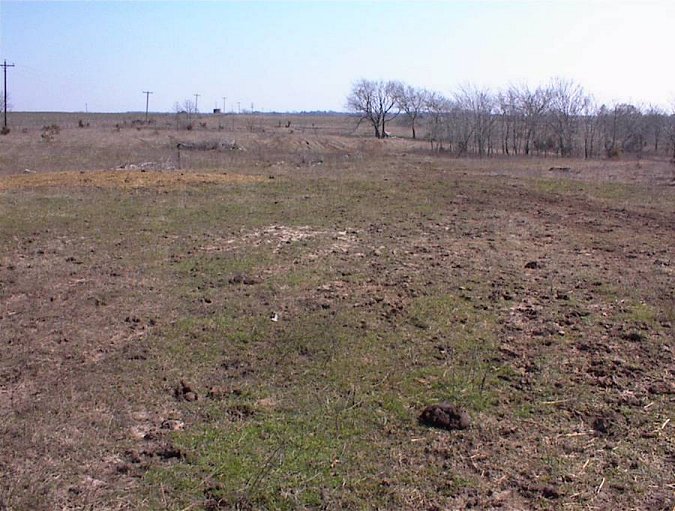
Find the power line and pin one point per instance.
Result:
(147, 102)
(5, 65)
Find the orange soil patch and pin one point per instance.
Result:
(121, 179)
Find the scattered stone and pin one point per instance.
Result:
(123, 468)
(218, 392)
(267, 403)
(444, 416)
(662, 387)
(600, 425)
(90, 481)
(634, 337)
(133, 455)
(242, 278)
(168, 452)
(628, 398)
(137, 353)
(240, 412)
(533, 265)
(163, 451)
(184, 392)
(550, 492)
(606, 424)
(547, 491)
(213, 497)
(173, 425)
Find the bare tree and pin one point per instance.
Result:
(509, 115)
(632, 128)
(479, 104)
(607, 130)
(671, 131)
(655, 120)
(523, 111)
(532, 105)
(559, 118)
(567, 102)
(187, 107)
(376, 102)
(622, 129)
(589, 120)
(438, 127)
(412, 101)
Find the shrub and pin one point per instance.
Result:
(614, 152)
(49, 132)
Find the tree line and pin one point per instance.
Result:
(560, 118)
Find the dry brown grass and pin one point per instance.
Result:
(121, 179)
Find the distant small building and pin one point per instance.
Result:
(216, 110)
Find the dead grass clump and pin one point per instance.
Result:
(49, 132)
(124, 179)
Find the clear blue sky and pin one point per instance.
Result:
(291, 56)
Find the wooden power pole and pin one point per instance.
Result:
(5, 65)
(147, 102)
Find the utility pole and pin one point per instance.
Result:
(4, 68)
(147, 102)
(239, 106)
(224, 100)
(196, 99)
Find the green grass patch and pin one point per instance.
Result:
(641, 313)
(272, 461)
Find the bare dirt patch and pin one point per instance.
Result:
(280, 236)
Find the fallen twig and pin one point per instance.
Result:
(602, 483)
(555, 402)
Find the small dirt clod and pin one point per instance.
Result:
(635, 337)
(242, 278)
(185, 392)
(444, 416)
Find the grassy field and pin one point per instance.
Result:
(261, 326)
